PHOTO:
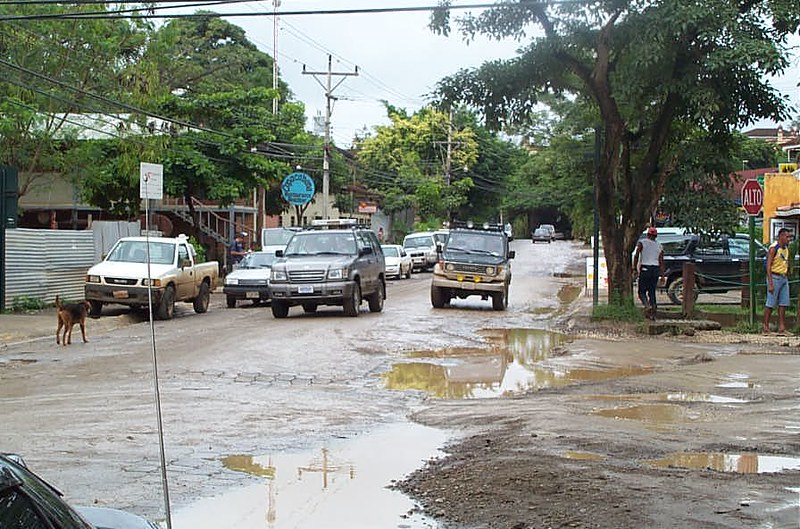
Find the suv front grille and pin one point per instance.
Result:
(469, 268)
(306, 276)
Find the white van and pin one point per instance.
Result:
(273, 239)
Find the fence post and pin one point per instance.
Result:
(745, 278)
(688, 289)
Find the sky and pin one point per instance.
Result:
(399, 58)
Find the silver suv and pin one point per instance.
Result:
(336, 262)
(421, 246)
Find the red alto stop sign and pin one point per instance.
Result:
(752, 197)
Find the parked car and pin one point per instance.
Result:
(274, 239)
(27, 501)
(336, 262)
(550, 229)
(421, 246)
(719, 263)
(398, 262)
(250, 280)
(541, 235)
(122, 277)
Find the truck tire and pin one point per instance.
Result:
(352, 304)
(166, 308)
(438, 297)
(500, 300)
(200, 303)
(280, 309)
(96, 308)
(376, 299)
(230, 301)
(675, 291)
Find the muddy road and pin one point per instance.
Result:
(302, 422)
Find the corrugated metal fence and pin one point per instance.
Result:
(43, 263)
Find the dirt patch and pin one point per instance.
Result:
(512, 468)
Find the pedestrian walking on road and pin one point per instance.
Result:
(777, 281)
(648, 265)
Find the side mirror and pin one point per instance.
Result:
(278, 253)
(185, 263)
(512, 254)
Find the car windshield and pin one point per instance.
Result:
(541, 232)
(483, 243)
(258, 260)
(321, 242)
(418, 242)
(391, 251)
(441, 238)
(277, 236)
(136, 252)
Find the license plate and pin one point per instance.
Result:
(120, 294)
(252, 295)
(305, 289)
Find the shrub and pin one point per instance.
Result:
(27, 303)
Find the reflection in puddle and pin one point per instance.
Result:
(583, 456)
(340, 486)
(737, 381)
(652, 413)
(672, 397)
(737, 463)
(512, 364)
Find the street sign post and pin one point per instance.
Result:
(752, 202)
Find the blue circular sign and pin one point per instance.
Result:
(297, 189)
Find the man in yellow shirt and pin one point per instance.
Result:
(777, 281)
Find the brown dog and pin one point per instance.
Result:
(69, 315)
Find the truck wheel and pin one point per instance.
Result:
(408, 272)
(353, 303)
(675, 291)
(96, 307)
(438, 297)
(280, 309)
(230, 301)
(309, 308)
(200, 303)
(500, 300)
(166, 309)
(376, 299)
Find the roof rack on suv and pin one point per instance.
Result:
(488, 226)
(336, 224)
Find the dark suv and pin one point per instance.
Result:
(473, 262)
(335, 262)
(718, 262)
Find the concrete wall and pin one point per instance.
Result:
(780, 189)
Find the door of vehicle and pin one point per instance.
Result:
(185, 273)
(716, 267)
(368, 262)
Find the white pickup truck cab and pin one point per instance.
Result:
(122, 276)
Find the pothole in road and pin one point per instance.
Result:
(341, 485)
(672, 397)
(658, 414)
(512, 364)
(737, 381)
(569, 293)
(583, 456)
(735, 463)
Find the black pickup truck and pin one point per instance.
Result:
(719, 263)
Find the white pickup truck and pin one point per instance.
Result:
(122, 277)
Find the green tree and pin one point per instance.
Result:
(645, 67)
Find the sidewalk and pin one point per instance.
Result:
(35, 325)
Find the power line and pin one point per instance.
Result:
(93, 14)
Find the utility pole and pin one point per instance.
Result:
(448, 161)
(329, 98)
(275, 5)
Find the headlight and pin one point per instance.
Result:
(92, 279)
(490, 270)
(155, 282)
(451, 267)
(278, 275)
(337, 273)
(231, 281)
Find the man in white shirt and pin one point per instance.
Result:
(648, 264)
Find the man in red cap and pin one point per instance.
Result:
(648, 264)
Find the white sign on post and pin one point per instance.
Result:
(151, 181)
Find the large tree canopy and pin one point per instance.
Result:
(652, 70)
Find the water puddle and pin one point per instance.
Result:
(737, 381)
(338, 486)
(569, 293)
(671, 397)
(735, 463)
(659, 414)
(513, 363)
(583, 456)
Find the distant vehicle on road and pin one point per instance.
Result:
(250, 280)
(274, 239)
(541, 235)
(398, 262)
(550, 229)
(421, 246)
